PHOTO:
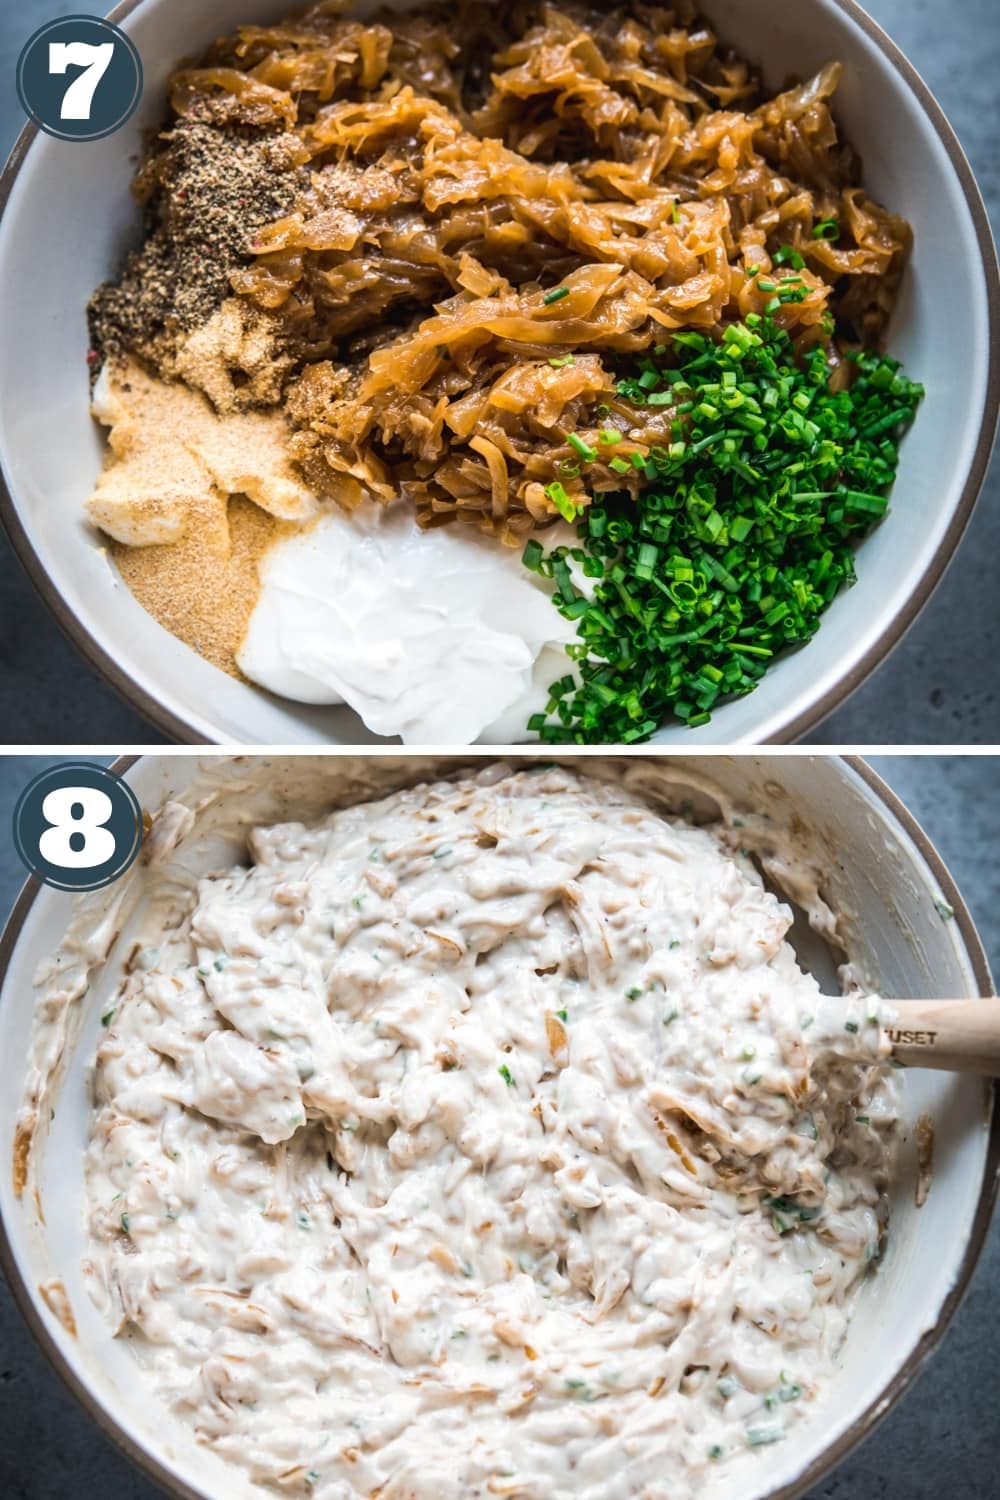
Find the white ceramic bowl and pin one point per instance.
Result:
(882, 875)
(69, 215)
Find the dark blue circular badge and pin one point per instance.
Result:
(78, 826)
(79, 78)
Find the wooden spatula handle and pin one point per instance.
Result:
(960, 1035)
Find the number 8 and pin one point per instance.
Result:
(94, 58)
(80, 811)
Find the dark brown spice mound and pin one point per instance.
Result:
(207, 192)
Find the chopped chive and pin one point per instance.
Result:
(556, 492)
(556, 295)
(736, 532)
(826, 229)
(766, 1433)
(582, 447)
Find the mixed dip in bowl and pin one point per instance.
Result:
(496, 1121)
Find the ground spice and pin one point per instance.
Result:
(207, 193)
(190, 502)
(174, 460)
(177, 469)
(203, 588)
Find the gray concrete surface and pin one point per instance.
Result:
(942, 1442)
(940, 685)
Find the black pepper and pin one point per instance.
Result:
(208, 192)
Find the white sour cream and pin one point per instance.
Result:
(486, 1139)
(440, 637)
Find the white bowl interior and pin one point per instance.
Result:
(876, 876)
(70, 217)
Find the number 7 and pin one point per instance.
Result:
(95, 59)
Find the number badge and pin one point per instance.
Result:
(78, 826)
(79, 78)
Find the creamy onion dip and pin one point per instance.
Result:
(486, 1139)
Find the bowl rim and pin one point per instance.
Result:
(860, 1429)
(181, 731)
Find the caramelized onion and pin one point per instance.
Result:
(467, 159)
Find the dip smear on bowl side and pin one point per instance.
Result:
(498, 227)
(491, 1131)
